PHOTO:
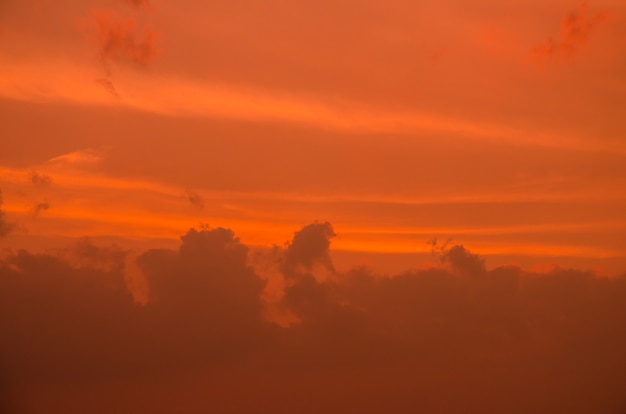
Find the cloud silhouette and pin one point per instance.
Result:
(310, 246)
(576, 28)
(452, 338)
(464, 261)
(208, 285)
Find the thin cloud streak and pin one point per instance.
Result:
(100, 222)
(499, 230)
(86, 179)
(148, 209)
(576, 29)
(175, 97)
(531, 250)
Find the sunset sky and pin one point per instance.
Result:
(343, 153)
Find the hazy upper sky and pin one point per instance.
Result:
(412, 127)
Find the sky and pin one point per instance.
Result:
(283, 206)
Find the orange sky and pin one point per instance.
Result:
(497, 125)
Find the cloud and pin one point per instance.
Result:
(80, 157)
(85, 254)
(108, 86)
(5, 226)
(435, 339)
(208, 283)
(39, 207)
(195, 199)
(310, 247)
(40, 179)
(576, 29)
(121, 39)
(464, 261)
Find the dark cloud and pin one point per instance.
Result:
(85, 254)
(464, 261)
(208, 277)
(576, 29)
(39, 207)
(40, 179)
(454, 338)
(108, 86)
(121, 39)
(310, 247)
(195, 199)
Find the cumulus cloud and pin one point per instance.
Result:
(464, 261)
(451, 338)
(576, 29)
(310, 246)
(121, 39)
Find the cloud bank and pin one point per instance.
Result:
(453, 338)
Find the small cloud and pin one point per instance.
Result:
(195, 199)
(40, 179)
(576, 29)
(39, 207)
(108, 86)
(86, 156)
(120, 39)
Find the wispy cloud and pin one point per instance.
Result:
(178, 97)
(80, 157)
(121, 39)
(39, 207)
(576, 29)
(108, 86)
